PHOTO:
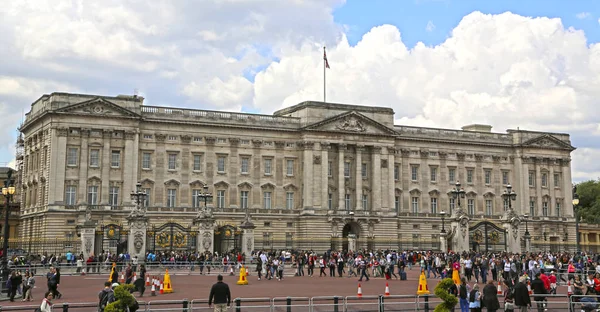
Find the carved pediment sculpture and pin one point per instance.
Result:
(352, 124)
(548, 141)
(98, 106)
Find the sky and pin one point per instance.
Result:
(438, 63)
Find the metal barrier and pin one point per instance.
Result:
(364, 303)
(551, 302)
(289, 304)
(252, 304)
(398, 303)
(327, 304)
(581, 303)
(200, 305)
(167, 305)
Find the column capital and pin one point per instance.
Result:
(61, 132)
(279, 144)
(405, 152)
(342, 146)
(107, 134)
(161, 137)
(360, 148)
(234, 141)
(130, 135)
(376, 149)
(257, 143)
(325, 145)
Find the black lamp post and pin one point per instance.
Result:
(576, 211)
(206, 196)
(458, 193)
(443, 214)
(138, 196)
(509, 195)
(526, 218)
(8, 191)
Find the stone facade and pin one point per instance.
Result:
(309, 175)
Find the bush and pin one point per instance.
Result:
(448, 300)
(123, 299)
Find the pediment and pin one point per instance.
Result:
(172, 182)
(291, 187)
(197, 183)
(98, 107)
(549, 142)
(351, 122)
(268, 185)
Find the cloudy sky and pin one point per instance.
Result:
(438, 63)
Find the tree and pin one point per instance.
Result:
(124, 299)
(589, 201)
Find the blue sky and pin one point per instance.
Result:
(412, 16)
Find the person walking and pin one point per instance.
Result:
(46, 305)
(490, 297)
(28, 286)
(522, 299)
(220, 295)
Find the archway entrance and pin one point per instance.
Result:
(486, 237)
(227, 239)
(350, 232)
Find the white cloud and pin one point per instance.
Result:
(583, 15)
(430, 26)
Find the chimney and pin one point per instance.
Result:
(477, 128)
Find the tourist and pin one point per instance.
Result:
(46, 305)
(475, 299)
(106, 296)
(28, 286)
(521, 294)
(463, 295)
(220, 294)
(539, 289)
(490, 297)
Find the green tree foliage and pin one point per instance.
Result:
(589, 201)
(123, 299)
(448, 300)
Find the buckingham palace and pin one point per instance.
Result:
(311, 176)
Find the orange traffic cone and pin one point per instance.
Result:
(134, 277)
(147, 279)
(529, 288)
(231, 271)
(569, 289)
(499, 289)
(83, 271)
(153, 292)
(162, 290)
(387, 289)
(122, 278)
(359, 293)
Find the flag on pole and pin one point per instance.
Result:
(325, 59)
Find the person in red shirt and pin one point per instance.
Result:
(597, 283)
(552, 279)
(546, 281)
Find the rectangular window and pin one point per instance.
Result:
(146, 160)
(415, 204)
(70, 195)
(544, 179)
(266, 240)
(289, 241)
(330, 201)
(531, 178)
(365, 202)
(197, 139)
(289, 200)
(397, 172)
(532, 207)
(364, 171)
(245, 165)
(452, 175)
(221, 199)
(195, 198)
(414, 173)
(267, 200)
(556, 180)
(148, 192)
(268, 165)
(434, 202)
(197, 165)
(505, 204)
(471, 206)
(171, 197)
(329, 169)
(557, 208)
(92, 195)
(452, 204)
(348, 202)
(488, 177)
(221, 164)
(94, 157)
(244, 199)
(172, 161)
(115, 159)
(72, 156)
(545, 208)
(505, 177)
(469, 175)
(397, 203)
(113, 196)
(290, 167)
(489, 207)
(347, 167)
(433, 174)
(172, 138)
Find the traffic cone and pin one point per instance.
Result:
(359, 293)
(122, 281)
(153, 291)
(387, 289)
(423, 288)
(529, 288)
(499, 288)
(82, 271)
(569, 289)
(147, 279)
(231, 271)
(134, 277)
(162, 290)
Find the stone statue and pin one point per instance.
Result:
(204, 213)
(88, 214)
(138, 211)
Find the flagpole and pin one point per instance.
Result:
(324, 77)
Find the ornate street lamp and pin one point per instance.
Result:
(509, 195)
(443, 214)
(457, 194)
(8, 191)
(138, 196)
(526, 218)
(576, 210)
(206, 196)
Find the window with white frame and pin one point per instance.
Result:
(245, 164)
(94, 157)
(244, 199)
(414, 173)
(348, 202)
(197, 165)
(452, 203)
(544, 179)
(268, 164)
(267, 200)
(329, 169)
(92, 195)
(505, 177)
(221, 164)
(364, 171)
(433, 171)
(115, 159)
(545, 208)
(415, 204)
(488, 176)
(330, 201)
(70, 195)
(365, 202)
(531, 178)
(471, 206)
(146, 160)
(452, 175)
(532, 207)
(489, 208)
(113, 196)
(347, 168)
(557, 180)
(172, 165)
(557, 208)
(148, 192)
(397, 204)
(397, 172)
(221, 199)
(289, 167)
(171, 197)
(505, 203)
(196, 198)
(289, 200)
(469, 175)
(434, 203)
(72, 156)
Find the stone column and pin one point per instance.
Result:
(460, 237)
(307, 175)
(351, 242)
(205, 241)
(324, 175)
(513, 235)
(136, 240)
(88, 235)
(376, 181)
(341, 178)
(56, 191)
(83, 168)
(129, 163)
(105, 161)
(527, 243)
(390, 191)
(247, 237)
(359, 193)
(444, 241)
